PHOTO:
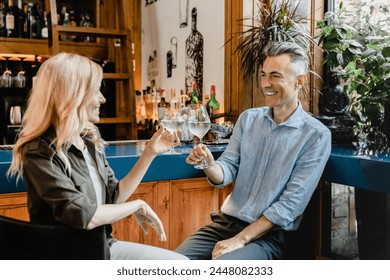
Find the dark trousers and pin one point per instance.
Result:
(200, 245)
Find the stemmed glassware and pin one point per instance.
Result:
(199, 125)
(6, 77)
(172, 122)
(20, 78)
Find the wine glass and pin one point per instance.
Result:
(199, 125)
(172, 122)
(6, 78)
(20, 78)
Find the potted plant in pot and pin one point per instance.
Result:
(275, 21)
(337, 40)
(360, 58)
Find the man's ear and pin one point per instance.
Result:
(301, 80)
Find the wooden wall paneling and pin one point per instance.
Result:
(192, 201)
(14, 205)
(128, 229)
(233, 80)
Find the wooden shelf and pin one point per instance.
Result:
(99, 32)
(116, 120)
(40, 47)
(116, 76)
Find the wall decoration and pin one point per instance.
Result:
(153, 68)
(194, 57)
(174, 51)
(149, 2)
(169, 64)
(183, 13)
(162, 33)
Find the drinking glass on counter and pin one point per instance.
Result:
(199, 125)
(172, 122)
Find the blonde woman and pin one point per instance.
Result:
(60, 157)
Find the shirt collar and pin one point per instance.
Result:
(295, 120)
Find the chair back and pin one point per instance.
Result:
(21, 240)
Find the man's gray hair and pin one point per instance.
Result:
(298, 56)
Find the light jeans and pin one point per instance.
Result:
(123, 250)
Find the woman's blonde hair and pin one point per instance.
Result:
(62, 90)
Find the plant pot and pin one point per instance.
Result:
(386, 123)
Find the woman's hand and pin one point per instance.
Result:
(162, 140)
(144, 216)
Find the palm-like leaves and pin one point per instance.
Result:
(275, 22)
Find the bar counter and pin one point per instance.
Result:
(343, 167)
(346, 167)
(122, 156)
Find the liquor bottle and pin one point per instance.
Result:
(35, 22)
(194, 96)
(73, 23)
(194, 57)
(3, 30)
(213, 104)
(45, 27)
(26, 22)
(162, 105)
(66, 22)
(87, 22)
(10, 20)
(19, 19)
(174, 102)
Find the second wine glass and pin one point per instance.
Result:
(172, 122)
(199, 125)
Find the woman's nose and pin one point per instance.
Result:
(101, 98)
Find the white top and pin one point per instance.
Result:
(97, 180)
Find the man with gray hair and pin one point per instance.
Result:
(275, 156)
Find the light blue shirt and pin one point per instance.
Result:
(276, 168)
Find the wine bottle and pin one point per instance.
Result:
(10, 20)
(66, 22)
(19, 19)
(194, 57)
(194, 96)
(213, 104)
(26, 22)
(45, 27)
(3, 30)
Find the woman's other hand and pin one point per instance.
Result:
(146, 216)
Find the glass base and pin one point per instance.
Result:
(172, 152)
(202, 165)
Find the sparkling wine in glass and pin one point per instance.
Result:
(172, 122)
(199, 125)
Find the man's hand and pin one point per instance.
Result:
(226, 246)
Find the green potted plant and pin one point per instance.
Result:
(275, 21)
(361, 58)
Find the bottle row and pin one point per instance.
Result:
(29, 20)
(153, 104)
